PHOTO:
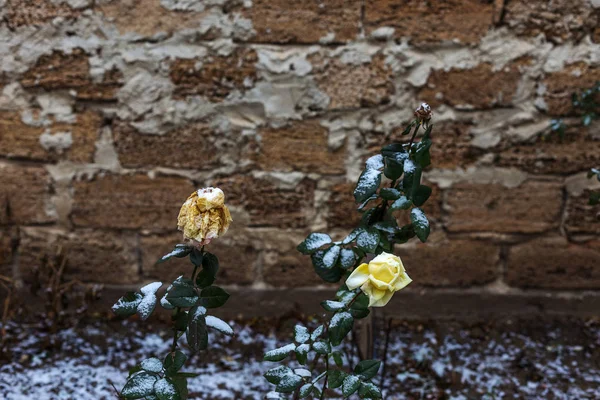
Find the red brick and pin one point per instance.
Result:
(554, 263)
(35, 12)
(288, 21)
(129, 202)
(92, 256)
(531, 207)
(216, 77)
(561, 85)
(559, 20)
(582, 218)
(268, 205)
(480, 88)
(353, 86)
(25, 195)
(60, 70)
(237, 258)
(191, 146)
(450, 262)
(300, 146)
(424, 23)
(19, 140)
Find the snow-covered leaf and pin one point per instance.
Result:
(313, 242)
(152, 365)
(420, 224)
(331, 256)
(350, 385)
(166, 390)
(368, 240)
(180, 251)
(301, 334)
(340, 325)
(219, 325)
(280, 353)
(151, 288)
(367, 184)
(317, 332)
(127, 305)
(139, 385)
(197, 334)
(347, 258)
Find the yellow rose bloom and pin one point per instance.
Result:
(204, 216)
(379, 279)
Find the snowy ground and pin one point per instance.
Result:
(508, 359)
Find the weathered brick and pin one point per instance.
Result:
(342, 212)
(554, 263)
(450, 262)
(582, 217)
(60, 70)
(25, 195)
(237, 258)
(35, 12)
(290, 269)
(268, 205)
(129, 201)
(6, 251)
(531, 207)
(300, 146)
(576, 152)
(91, 256)
(215, 77)
(466, 21)
(353, 86)
(191, 146)
(19, 140)
(559, 21)
(288, 21)
(561, 85)
(478, 88)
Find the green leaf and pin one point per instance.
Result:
(180, 251)
(322, 347)
(290, 383)
(181, 320)
(421, 195)
(367, 369)
(350, 385)
(347, 258)
(336, 378)
(182, 294)
(362, 205)
(353, 235)
(196, 257)
(301, 334)
(327, 274)
(420, 224)
(389, 193)
(412, 178)
(313, 242)
(174, 361)
(180, 383)
(148, 303)
(204, 279)
(166, 390)
(275, 375)
(367, 185)
(390, 150)
(401, 204)
(331, 256)
(219, 325)
(280, 353)
(360, 308)
(139, 385)
(127, 305)
(369, 390)
(302, 353)
(197, 334)
(368, 240)
(305, 390)
(332, 306)
(393, 168)
(340, 325)
(152, 364)
(386, 226)
(337, 358)
(404, 234)
(210, 266)
(422, 156)
(317, 332)
(594, 198)
(213, 297)
(427, 133)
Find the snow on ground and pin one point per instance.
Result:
(457, 362)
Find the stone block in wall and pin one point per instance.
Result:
(215, 76)
(354, 83)
(480, 88)
(529, 208)
(92, 255)
(554, 263)
(74, 141)
(450, 262)
(6, 251)
(309, 21)
(35, 12)
(268, 205)
(559, 20)
(71, 71)
(560, 86)
(431, 22)
(342, 212)
(25, 195)
(129, 201)
(237, 258)
(581, 217)
(290, 269)
(191, 147)
(299, 146)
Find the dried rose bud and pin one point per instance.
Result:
(204, 216)
(423, 113)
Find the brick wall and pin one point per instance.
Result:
(112, 112)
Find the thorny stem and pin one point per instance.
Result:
(412, 139)
(326, 378)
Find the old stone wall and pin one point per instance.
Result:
(112, 112)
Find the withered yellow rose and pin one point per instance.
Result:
(204, 216)
(380, 278)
